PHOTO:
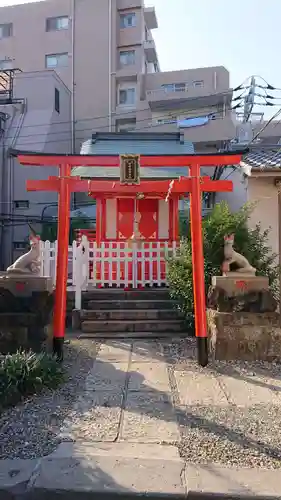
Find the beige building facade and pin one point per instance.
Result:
(105, 53)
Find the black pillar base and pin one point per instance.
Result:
(202, 351)
(58, 348)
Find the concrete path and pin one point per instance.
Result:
(128, 433)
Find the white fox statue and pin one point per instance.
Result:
(233, 257)
(29, 263)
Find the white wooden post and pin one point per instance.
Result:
(74, 263)
(55, 253)
(42, 257)
(84, 256)
(81, 270)
(158, 263)
(78, 277)
(47, 259)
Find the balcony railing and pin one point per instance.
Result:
(218, 115)
(167, 90)
(7, 85)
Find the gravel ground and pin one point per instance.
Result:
(31, 429)
(227, 435)
(231, 436)
(181, 354)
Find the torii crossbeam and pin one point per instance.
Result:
(194, 184)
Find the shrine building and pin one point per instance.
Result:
(147, 213)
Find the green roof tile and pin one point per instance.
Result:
(134, 143)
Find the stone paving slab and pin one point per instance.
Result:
(251, 391)
(129, 468)
(14, 473)
(100, 471)
(147, 352)
(96, 417)
(149, 418)
(116, 352)
(118, 449)
(107, 376)
(149, 376)
(259, 483)
(199, 388)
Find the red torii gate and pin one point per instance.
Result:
(64, 185)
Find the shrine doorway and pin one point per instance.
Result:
(133, 238)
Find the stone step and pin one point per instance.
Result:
(133, 335)
(129, 304)
(130, 314)
(126, 326)
(121, 294)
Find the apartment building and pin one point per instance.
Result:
(35, 116)
(105, 53)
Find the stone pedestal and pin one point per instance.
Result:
(244, 336)
(23, 285)
(26, 306)
(242, 320)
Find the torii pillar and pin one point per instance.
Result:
(64, 185)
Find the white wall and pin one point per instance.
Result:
(264, 192)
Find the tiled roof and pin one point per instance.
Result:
(262, 159)
(135, 144)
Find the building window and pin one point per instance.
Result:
(198, 83)
(57, 100)
(174, 87)
(57, 23)
(128, 20)
(127, 97)
(57, 60)
(166, 121)
(20, 245)
(21, 204)
(168, 87)
(127, 57)
(6, 30)
(6, 64)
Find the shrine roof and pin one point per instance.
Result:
(262, 159)
(143, 143)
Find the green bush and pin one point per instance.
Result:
(252, 243)
(26, 373)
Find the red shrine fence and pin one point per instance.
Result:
(113, 264)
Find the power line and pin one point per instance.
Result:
(266, 125)
(150, 126)
(164, 116)
(129, 112)
(167, 115)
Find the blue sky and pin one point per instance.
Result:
(242, 35)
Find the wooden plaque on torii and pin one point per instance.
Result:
(130, 169)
